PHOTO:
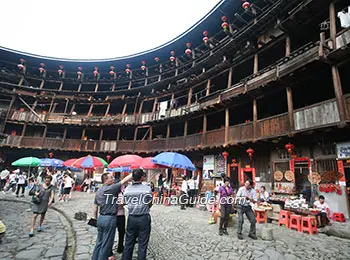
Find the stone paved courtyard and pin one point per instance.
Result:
(175, 235)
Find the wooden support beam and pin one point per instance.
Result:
(229, 81)
(96, 87)
(290, 108)
(41, 84)
(124, 109)
(168, 131)
(118, 134)
(185, 128)
(24, 129)
(255, 115)
(79, 88)
(322, 44)
(21, 81)
(101, 134)
(107, 109)
(45, 132)
(130, 84)
(135, 133)
(113, 87)
(338, 92)
(154, 105)
(31, 110)
(66, 107)
(256, 64)
(141, 106)
(8, 113)
(189, 98)
(61, 86)
(90, 109)
(208, 88)
(150, 133)
(83, 134)
(288, 46)
(333, 25)
(64, 134)
(204, 128)
(52, 107)
(72, 109)
(227, 124)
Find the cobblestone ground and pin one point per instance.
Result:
(49, 244)
(176, 235)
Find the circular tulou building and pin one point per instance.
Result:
(255, 89)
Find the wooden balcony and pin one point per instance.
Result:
(215, 137)
(241, 133)
(12, 140)
(142, 146)
(72, 144)
(320, 114)
(176, 143)
(193, 141)
(107, 146)
(53, 143)
(272, 126)
(157, 145)
(32, 142)
(126, 146)
(347, 105)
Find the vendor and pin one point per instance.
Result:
(323, 207)
(264, 195)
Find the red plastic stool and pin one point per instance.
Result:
(295, 222)
(261, 216)
(337, 216)
(283, 218)
(309, 224)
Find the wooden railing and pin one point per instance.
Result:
(33, 142)
(193, 140)
(157, 145)
(176, 143)
(347, 105)
(241, 133)
(272, 126)
(215, 137)
(53, 143)
(126, 146)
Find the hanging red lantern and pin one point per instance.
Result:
(108, 157)
(42, 68)
(246, 5)
(20, 66)
(172, 53)
(143, 67)
(127, 70)
(50, 154)
(60, 70)
(250, 152)
(188, 52)
(79, 72)
(224, 26)
(156, 59)
(224, 18)
(95, 72)
(290, 148)
(112, 72)
(188, 45)
(205, 33)
(172, 58)
(225, 154)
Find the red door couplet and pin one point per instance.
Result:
(246, 174)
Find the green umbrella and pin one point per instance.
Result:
(27, 162)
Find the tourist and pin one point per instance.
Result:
(43, 196)
(161, 180)
(11, 183)
(152, 186)
(86, 184)
(139, 220)
(106, 221)
(247, 195)
(323, 207)
(120, 221)
(3, 178)
(68, 183)
(21, 183)
(184, 193)
(225, 206)
(264, 195)
(2, 230)
(191, 191)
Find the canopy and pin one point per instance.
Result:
(27, 162)
(51, 162)
(69, 162)
(146, 164)
(125, 160)
(88, 162)
(174, 160)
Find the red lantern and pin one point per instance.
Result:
(95, 72)
(111, 73)
(41, 69)
(127, 70)
(50, 154)
(80, 68)
(225, 154)
(205, 39)
(224, 26)
(20, 66)
(224, 18)
(172, 58)
(246, 5)
(172, 53)
(42, 64)
(188, 45)
(156, 59)
(108, 157)
(188, 51)
(250, 152)
(60, 70)
(290, 148)
(143, 67)
(205, 33)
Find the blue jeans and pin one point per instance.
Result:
(137, 227)
(106, 226)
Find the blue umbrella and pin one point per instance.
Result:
(119, 169)
(51, 162)
(174, 160)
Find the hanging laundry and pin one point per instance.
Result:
(344, 18)
(163, 106)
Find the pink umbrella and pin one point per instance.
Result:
(146, 164)
(125, 160)
(69, 162)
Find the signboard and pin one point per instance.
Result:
(343, 150)
(208, 166)
(220, 166)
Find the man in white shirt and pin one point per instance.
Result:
(68, 184)
(12, 183)
(3, 178)
(21, 183)
(184, 193)
(246, 196)
(191, 191)
(324, 210)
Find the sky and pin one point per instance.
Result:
(86, 29)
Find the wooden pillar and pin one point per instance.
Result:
(21, 81)
(167, 136)
(229, 81)
(256, 64)
(113, 87)
(24, 129)
(107, 109)
(64, 134)
(288, 47)
(79, 88)
(61, 86)
(140, 109)
(8, 113)
(290, 108)
(130, 84)
(118, 134)
(150, 133)
(333, 25)
(96, 87)
(124, 109)
(185, 128)
(189, 98)
(204, 128)
(83, 134)
(338, 92)
(101, 134)
(208, 88)
(66, 107)
(41, 84)
(90, 109)
(44, 136)
(135, 133)
(227, 124)
(255, 115)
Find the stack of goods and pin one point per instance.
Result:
(299, 204)
(329, 182)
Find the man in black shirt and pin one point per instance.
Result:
(106, 199)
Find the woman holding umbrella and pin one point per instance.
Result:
(43, 196)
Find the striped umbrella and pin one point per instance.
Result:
(88, 162)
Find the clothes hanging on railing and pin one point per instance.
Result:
(163, 106)
(344, 18)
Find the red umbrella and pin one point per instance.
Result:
(69, 162)
(125, 160)
(89, 162)
(146, 164)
